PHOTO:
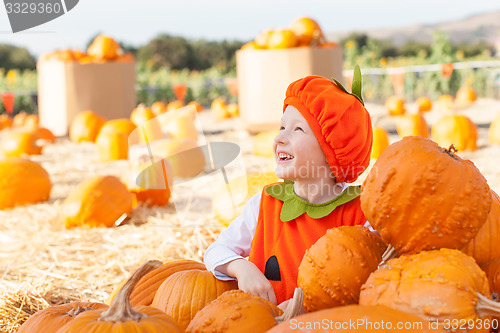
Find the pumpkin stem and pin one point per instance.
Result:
(294, 308)
(451, 151)
(120, 309)
(487, 307)
(76, 311)
(389, 253)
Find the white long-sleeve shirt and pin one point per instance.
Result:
(235, 241)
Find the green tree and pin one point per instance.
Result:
(167, 51)
(13, 57)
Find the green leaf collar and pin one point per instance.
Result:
(294, 206)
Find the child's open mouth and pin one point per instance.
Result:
(284, 157)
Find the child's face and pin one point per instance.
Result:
(297, 152)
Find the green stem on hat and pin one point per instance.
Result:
(356, 85)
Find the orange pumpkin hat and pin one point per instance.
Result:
(339, 120)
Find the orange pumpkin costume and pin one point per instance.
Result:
(343, 129)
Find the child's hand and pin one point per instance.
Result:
(251, 279)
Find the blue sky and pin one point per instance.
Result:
(137, 21)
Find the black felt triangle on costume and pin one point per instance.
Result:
(272, 270)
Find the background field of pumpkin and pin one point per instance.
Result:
(87, 264)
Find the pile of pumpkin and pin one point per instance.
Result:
(102, 49)
(434, 263)
(451, 128)
(147, 181)
(303, 31)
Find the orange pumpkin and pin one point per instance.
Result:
(356, 318)
(418, 195)
(158, 108)
(395, 106)
(181, 127)
(412, 125)
(456, 130)
(23, 182)
(484, 246)
(174, 105)
(196, 105)
(218, 108)
(145, 289)
(86, 126)
(121, 125)
(97, 201)
(466, 95)
(31, 121)
(424, 104)
(446, 102)
(246, 313)
(229, 205)
(307, 31)
(380, 141)
(104, 48)
(18, 119)
(436, 285)
(112, 146)
(185, 293)
(141, 114)
(146, 181)
(494, 131)
(262, 38)
(492, 270)
(185, 156)
(18, 142)
(5, 121)
(121, 316)
(55, 317)
(331, 278)
(282, 39)
(251, 45)
(45, 134)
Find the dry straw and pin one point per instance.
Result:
(43, 264)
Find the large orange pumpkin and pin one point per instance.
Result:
(150, 182)
(184, 154)
(121, 317)
(484, 247)
(334, 268)
(424, 104)
(145, 289)
(282, 39)
(121, 125)
(492, 270)
(412, 125)
(5, 121)
(380, 141)
(23, 182)
(494, 131)
(395, 106)
(235, 311)
(185, 293)
(112, 146)
(439, 285)
(356, 318)
(97, 201)
(229, 205)
(49, 320)
(18, 142)
(418, 196)
(307, 30)
(456, 130)
(86, 126)
(104, 48)
(466, 95)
